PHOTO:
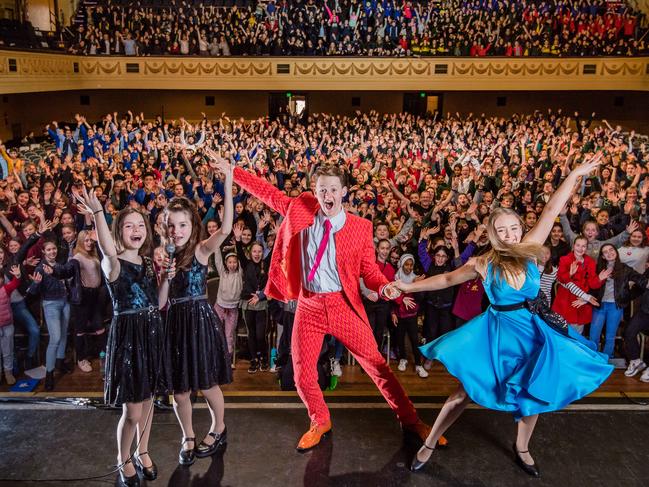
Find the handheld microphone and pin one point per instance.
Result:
(170, 248)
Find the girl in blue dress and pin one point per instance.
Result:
(524, 359)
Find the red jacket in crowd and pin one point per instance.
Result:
(477, 50)
(586, 278)
(6, 315)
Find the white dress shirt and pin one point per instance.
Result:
(326, 279)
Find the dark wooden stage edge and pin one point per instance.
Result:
(353, 383)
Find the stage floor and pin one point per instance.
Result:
(599, 441)
(353, 382)
(591, 447)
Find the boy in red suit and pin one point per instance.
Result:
(320, 254)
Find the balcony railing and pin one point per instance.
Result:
(24, 72)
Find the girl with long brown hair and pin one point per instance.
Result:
(56, 310)
(195, 337)
(255, 305)
(635, 252)
(506, 359)
(135, 371)
(614, 296)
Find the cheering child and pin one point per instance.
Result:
(134, 366)
(195, 341)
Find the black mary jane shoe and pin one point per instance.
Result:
(149, 473)
(132, 481)
(186, 457)
(416, 465)
(204, 450)
(531, 470)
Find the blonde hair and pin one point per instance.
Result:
(79, 248)
(506, 259)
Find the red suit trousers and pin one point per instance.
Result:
(323, 314)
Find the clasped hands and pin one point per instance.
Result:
(393, 291)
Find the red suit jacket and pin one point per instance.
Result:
(355, 255)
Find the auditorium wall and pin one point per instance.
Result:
(628, 108)
(22, 113)
(8, 9)
(38, 13)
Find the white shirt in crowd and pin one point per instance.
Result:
(202, 44)
(184, 46)
(635, 257)
(129, 47)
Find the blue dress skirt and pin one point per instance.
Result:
(515, 362)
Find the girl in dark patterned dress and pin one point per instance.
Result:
(195, 339)
(134, 369)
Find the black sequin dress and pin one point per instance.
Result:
(195, 339)
(134, 366)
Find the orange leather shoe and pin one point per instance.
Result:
(422, 430)
(312, 437)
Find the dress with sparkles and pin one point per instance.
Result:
(513, 360)
(134, 367)
(195, 340)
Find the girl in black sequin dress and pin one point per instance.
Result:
(134, 369)
(195, 339)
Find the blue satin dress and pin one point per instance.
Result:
(515, 362)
